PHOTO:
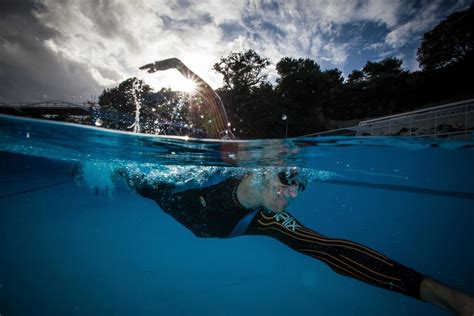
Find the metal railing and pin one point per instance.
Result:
(46, 105)
(453, 120)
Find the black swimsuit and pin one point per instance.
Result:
(214, 211)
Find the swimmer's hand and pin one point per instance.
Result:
(97, 177)
(164, 64)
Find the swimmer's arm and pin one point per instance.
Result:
(144, 187)
(211, 98)
(175, 63)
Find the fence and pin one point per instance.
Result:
(453, 120)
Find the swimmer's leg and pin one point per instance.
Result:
(360, 262)
(343, 256)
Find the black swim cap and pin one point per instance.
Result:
(291, 178)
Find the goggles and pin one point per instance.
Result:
(291, 180)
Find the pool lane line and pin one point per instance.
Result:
(35, 189)
(394, 187)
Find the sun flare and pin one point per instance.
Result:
(185, 85)
(173, 80)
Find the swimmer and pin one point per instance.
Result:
(256, 203)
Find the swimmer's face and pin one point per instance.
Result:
(277, 196)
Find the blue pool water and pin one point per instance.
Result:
(92, 246)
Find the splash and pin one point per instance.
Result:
(96, 176)
(102, 177)
(136, 88)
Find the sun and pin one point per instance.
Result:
(185, 85)
(173, 80)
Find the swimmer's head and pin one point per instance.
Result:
(292, 178)
(279, 189)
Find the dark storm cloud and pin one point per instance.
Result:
(107, 18)
(16, 6)
(30, 71)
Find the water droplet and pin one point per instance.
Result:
(98, 122)
(228, 124)
(284, 117)
(232, 156)
(27, 134)
(173, 153)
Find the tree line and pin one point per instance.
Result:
(307, 98)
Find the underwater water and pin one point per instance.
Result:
(89, 245)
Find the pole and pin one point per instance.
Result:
(284, 117)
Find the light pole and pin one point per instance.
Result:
(284, 117)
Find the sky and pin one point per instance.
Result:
(71, 50)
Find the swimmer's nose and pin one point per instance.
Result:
(293, 191)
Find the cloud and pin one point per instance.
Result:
(375, 46)
(112, 38)
(308, 28)
(335, 53)
(70, 48)
(411, 30)
(421, 20)
(29, 70)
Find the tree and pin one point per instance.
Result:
(387, 66)
(288, 66)
(304, 91)
(333, 79)
(448, 42)
(356, 76)
(246, 93)
(298, 78)
(124, 101)
(125, 95)
(242, 71)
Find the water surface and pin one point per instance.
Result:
(91, 246)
